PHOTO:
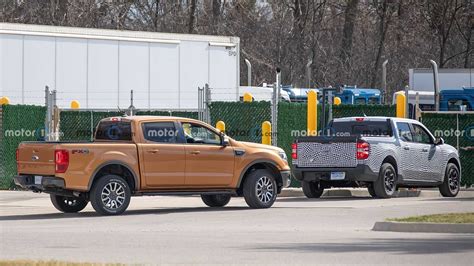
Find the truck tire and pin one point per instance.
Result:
(386, 184)
(260, 189)
(312, 189)
(216, 200)
(450, 186)
(110, 195)
(371, 190)
(68, 204)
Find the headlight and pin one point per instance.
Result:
(283, 156)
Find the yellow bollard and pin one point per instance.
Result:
(267, 133)
(401, 105)
(312, 113)
(4, 100)
(248, 98)
(75, 104)
(337, 101)
(220, 125)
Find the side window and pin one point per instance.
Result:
(197, 134)
(161, 132)
(404, 132)
(420, 135)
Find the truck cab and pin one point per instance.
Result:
(457, 99)
(353, 95)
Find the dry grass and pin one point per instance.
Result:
(454, 218)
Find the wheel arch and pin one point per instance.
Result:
(390, 159)
(117, 168)
(456, 162)
(260, 164)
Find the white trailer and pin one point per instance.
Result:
(421, 79)
(99, 67)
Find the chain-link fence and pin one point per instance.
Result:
(457, 129)
(18, 123)
(79, 125)
(363, 110)
(243, 120)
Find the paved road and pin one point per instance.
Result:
(182, 230)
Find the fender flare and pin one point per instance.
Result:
(252, 163)
(456, 158)
(93, 176)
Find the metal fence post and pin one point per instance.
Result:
(48, 104)
(200, 103)
(274, 107)
(207, 103)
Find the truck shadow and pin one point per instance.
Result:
(89, 214)
(402, 246)
(332, 198)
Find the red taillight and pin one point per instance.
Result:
(61, 160)
(360, 119)
(294, 149)
(363, 149)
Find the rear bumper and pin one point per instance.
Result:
(359, 173)
(39, 183)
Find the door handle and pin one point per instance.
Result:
(406, 148)
(153, 151)
(424, 150)
(195, 152)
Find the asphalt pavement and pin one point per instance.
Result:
(182, 230)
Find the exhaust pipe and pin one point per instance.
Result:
(308, 72)
(384, 81)
(249, 72)
(436, 84)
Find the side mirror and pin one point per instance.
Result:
(439, 141)
(224, 140)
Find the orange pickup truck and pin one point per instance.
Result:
(151, 155)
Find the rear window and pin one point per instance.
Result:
(361, 128)
(114, 130)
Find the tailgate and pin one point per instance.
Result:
(36, 158)
(327, 152)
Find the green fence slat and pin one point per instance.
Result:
(19, 123)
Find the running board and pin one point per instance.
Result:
(185, 193)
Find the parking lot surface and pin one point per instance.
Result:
(158, 230)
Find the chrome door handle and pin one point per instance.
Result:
(406, 148)
(153, 151)
(195, 152)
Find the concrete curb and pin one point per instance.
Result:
(356, 192)
(424, 227)
(362, 192)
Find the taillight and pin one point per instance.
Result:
(360, 119)
(61, 160)
(294, 149)
(363, 149)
